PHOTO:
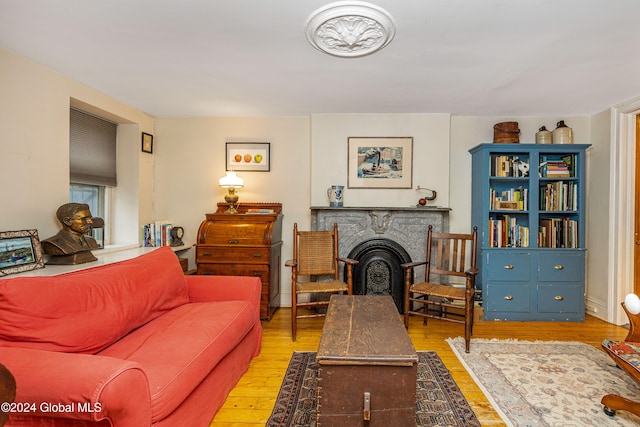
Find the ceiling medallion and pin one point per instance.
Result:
(350, 29)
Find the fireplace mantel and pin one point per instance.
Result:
(405, 225)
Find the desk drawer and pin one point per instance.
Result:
(559, 299)
(508, 297)
(557, 267)
(239, 255)
(261, 271)
(508, 266)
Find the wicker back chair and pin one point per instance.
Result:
(449, 256)
(315, 270)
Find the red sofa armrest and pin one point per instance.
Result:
(83, 386)
(225, 288)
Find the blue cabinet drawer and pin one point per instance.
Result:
(512, 297)
(508, 266)
(558, 267)
(566, 298)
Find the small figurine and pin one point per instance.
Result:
(523, 167)
(71, 245)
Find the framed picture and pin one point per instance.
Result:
(376, 162)
(147, 142)
(248, 156)
(20, 251)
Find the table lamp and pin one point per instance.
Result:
(231, 182)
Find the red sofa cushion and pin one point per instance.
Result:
(176, 362)
(88, 310)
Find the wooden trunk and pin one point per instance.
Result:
(367, 365)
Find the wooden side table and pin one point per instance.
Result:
(244, 244)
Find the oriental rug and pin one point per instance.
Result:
(547, 383)
(439, 400)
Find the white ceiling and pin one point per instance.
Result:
(251, 57)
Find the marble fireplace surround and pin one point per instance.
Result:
(407, 227)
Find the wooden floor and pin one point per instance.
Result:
(251, 401)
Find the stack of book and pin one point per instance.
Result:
(555, 169)
(156, 234)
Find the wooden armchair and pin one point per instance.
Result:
(447, 256)
(626, 354)
(315, 255)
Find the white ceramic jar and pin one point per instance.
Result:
(544, 136)
(562, 134)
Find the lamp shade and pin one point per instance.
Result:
(231, 180)
(632, 302)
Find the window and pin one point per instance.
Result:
(95, 196)
(92, 162)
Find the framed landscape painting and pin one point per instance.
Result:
(377, 162)
(20, 251)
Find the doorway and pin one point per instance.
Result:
(636, 234)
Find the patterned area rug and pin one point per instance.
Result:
(440, 401)
(547, 383)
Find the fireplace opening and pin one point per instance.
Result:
(378, 271)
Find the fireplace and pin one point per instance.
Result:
(381, 239)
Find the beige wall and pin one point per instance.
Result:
(329, 136)
(190, 159)
(179, 180)
(34, 147)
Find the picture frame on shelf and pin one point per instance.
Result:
(147, 143)
(380, 162)
(248, 156)
(20, 251)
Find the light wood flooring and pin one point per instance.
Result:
(251, 401)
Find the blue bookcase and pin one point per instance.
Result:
(528, 202)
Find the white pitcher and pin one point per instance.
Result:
(335, 194)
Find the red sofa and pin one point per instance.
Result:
(134, 343)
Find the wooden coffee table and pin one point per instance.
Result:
(367, 364)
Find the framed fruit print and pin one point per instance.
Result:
(248, 156)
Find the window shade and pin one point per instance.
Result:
(92, 149)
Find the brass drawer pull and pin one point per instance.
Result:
(558, 298)
(257, 255)
(207, 254)
(367, 406)
(233, 242)
(559, 267)
(509, 297)
(508, 267)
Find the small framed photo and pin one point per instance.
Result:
(147, 142)
(380, 162)
(248, 156)
(20, 251)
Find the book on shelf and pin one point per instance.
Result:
(558, 233)
(559, 196)
(505, 232)
(260, 211)
(555, 169)
(510, 199)
(506, 166)
(156, 234)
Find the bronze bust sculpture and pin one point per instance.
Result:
(71, 245)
